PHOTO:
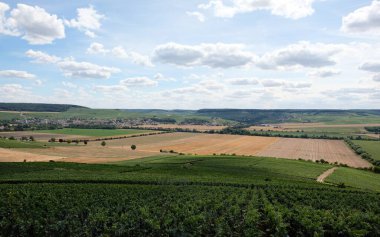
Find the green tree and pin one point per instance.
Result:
(133, 147)
(103, 143)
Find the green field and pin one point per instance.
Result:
(186, 196)
(95, 132)
(356, 178)
(371, 147)
(5, 143)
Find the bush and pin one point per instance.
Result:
(103, 143)
(133, 147)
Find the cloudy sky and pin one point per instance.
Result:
(177, 54)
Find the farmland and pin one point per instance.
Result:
(371, 147)
(193, 195)
(94, 132)
(204, 144)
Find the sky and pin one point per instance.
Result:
(177, 54)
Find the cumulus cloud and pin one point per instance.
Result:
(302, 54)
(17, 74)
(217, 55)
(363, 20)
(120, 52)
(97, 48)
(243, 81)
(293, 9)
(41, 57)
(32, 23)
(199, 16)
(370, 66)
(72, 68)
(138, 81)
(87, 21)
(324, 72)
(285, 84)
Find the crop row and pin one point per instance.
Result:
(145, 210)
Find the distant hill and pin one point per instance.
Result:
(37, 107)
(256, 116)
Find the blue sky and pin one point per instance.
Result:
(192, 54)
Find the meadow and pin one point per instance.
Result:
(371, 147)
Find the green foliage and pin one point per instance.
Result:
(37, 107)
(103, 143)
(185, 196)
(133, 147)
(13, 143)
(371, 147)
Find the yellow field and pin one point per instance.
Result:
(193, 143)
(191, 127)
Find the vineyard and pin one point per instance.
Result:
(187, 196)
(146, 210)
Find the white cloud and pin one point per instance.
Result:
(324, 72)
(11, 89)
(370, 66)
(160, 77)
(97, 48)
(243, 81)
(110, 89)
(69, 85)
(212, 85)
(217, 55)
(138, 81)
(293, 9)
(33, 24)
(272, 83)
(88, 21)
(17, 74)
(376, 77)
(199, 16)
(41, 57)
(363, 20)
(72, 68)
(120, 52)
(285, 84)
(302, 54)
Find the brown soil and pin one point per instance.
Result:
(325, 174)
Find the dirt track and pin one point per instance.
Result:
(325, 174)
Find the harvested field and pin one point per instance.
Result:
(321, 125)
(314, 149)
(200, 144)
(190, 127)
(12, 155)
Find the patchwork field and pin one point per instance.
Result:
(191, 127)
(197, 144)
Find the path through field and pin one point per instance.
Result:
(325, 174)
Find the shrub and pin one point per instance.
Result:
(103, 143)
(133, 147)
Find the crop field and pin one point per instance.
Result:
(39, 136)
(182, 126)
(201, 144)
(314, 149)
(371, 147)
(337, 130)
(185, 195)
(94, 132)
